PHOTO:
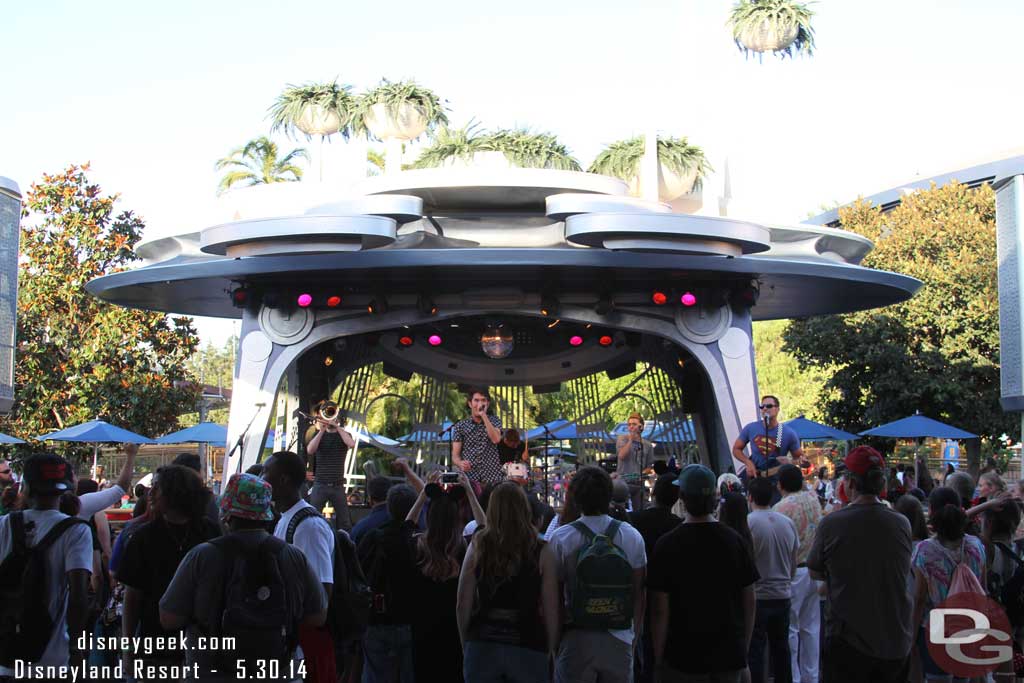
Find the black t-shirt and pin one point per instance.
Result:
(653, 523)
(508, 453)
(388, 559)
(704, 569)
(150, 559)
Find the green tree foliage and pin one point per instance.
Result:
(938, 352)
(79, 358)
(257, 163)
(779, 373)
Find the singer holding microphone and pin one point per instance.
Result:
(634, 453)
(328, 446)
(771, 445)
(475, 441)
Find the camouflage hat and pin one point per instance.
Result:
(247, 497)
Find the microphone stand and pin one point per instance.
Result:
(241, 437)
(765, 419)
(547, 440)
(448, 430)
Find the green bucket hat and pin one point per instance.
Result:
(247, 497)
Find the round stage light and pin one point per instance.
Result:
(328, 361)
(434, 340)
(333, 301)
(605, 340)
(496, 341)
(659, 298)
(304, 300)
(575, 340)
(405, 340)
(688, 299)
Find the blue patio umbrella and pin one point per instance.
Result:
(95, 432)
(421, 435)
(919, 426)
(678, 430)
(809, 430)
(556, 430)
(204, 432)
(8, 439)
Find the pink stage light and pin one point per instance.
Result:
(304, 300)
(688, 299)
(575, 340)
(434, 340)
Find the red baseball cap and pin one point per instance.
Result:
(863, 458)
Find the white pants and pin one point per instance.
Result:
(804, 627)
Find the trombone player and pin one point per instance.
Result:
(328, 446)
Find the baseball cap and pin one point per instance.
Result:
(247, 497)
(696, 480)
(48, 473)
(863, 458)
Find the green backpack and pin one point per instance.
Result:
(602, 595)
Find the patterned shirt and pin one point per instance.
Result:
(804, 510)
(938, 563)
(479, 450)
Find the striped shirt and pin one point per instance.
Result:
(330, 460)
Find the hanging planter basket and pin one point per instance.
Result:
(398, 111)
(313, 109)
(780, 27)
(404, 122)
(671, 185)
(768, 36)
(318, 120)
(681, 166)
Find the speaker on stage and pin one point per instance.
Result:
(10, 218)
(1010, 250)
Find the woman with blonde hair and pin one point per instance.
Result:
(508, 601)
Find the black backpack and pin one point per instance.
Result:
(1011, 594)
(255, 610)
(25, 623)
(348, 611)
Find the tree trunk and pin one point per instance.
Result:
(974, 457)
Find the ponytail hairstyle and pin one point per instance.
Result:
(946, 515)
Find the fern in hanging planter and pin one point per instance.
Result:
(527, 149)
(448, 144)
(778, 26)
(400, 111)
(313, 109)
(472, 146)
(676, 157)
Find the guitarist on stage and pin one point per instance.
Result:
(771, 444)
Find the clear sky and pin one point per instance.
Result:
(153, 93)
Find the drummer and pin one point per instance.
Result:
(511, 448)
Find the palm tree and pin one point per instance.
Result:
(257, 164)
(375, 161)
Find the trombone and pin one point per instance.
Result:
(326, 412)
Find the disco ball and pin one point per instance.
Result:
(496, 341)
